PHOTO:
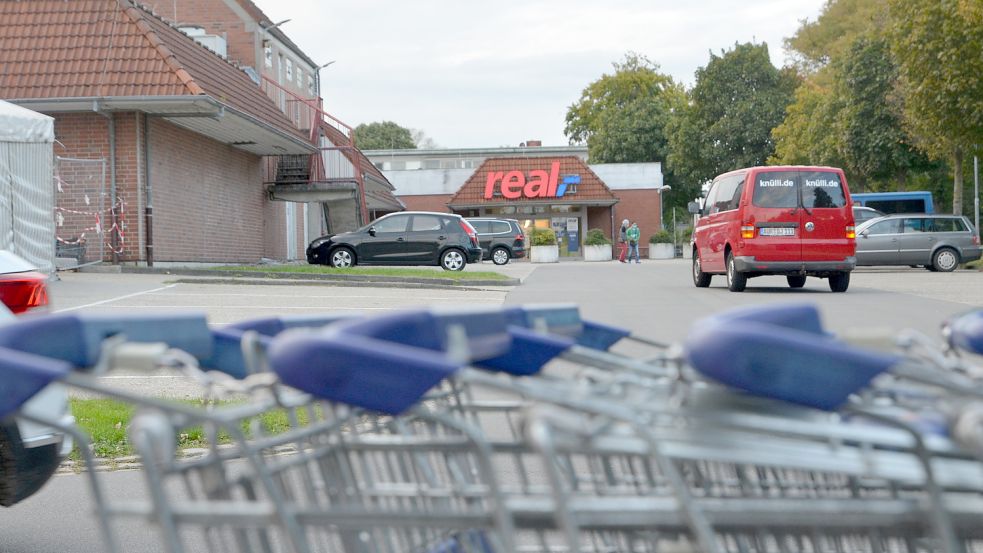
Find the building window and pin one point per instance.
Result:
(279, 70)
(310, 84)
(300, 78)
(268, 53)
(290, 69)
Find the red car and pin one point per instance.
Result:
(784, 220)
(29, 452)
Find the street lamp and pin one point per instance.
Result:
(317, 78)
(274, 25)
(660, 190)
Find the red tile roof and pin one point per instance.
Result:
(106, 48)
(590, 190)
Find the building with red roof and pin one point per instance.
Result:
(195, 142)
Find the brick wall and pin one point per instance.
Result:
(208, 198)
(217, 18)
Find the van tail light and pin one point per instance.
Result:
(519, 238)
(21, 292)
(469, 230)
(747, 231)
(851, 231)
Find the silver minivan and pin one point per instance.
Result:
(937, 242)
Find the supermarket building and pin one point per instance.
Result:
(542, 187)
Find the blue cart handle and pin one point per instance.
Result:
(782, 362)
(227, 349)
(966, 332)
(357, 370)
(77, 339)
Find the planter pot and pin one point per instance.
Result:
(662, 251)
(597, 253)
(544, 254)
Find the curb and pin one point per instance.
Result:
(258, 277)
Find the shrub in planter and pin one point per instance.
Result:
(544, 248)
(661, 246)
(543, 237)
(597, 247)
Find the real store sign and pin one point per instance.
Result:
(537, 184)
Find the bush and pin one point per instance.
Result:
(595, 237)
(661, 237)
(543, 237)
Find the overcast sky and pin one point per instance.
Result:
(480, 74)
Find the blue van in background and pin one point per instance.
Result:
(896, 202)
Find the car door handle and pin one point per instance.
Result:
(400, 239)
(441, 237)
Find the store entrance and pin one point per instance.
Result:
(567, 229)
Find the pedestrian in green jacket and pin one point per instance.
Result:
(633, 234)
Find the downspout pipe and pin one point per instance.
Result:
(112, 180)
(149, 210)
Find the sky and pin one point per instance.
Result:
(472, 74)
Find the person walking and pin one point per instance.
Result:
(633, 234)
(623, 241)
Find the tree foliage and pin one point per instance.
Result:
(808, 134)
(938, 45)
(622, 117)
(383, 136)
(738, 98)
(832, 34)
(874, 142)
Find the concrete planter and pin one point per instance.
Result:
(662, 251)
(597, 253)
(687, 251)
(544, 254)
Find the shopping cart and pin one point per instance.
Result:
(808, 480)
(387, 463)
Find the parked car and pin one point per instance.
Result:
(792, 221)
(501, 239)
(29, 453)
(862, 214)
(937, 242)
(404, 238)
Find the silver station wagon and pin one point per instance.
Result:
(937, 242)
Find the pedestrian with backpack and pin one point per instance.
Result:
(623, 241)
(633, 234)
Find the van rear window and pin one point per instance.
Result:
(781, 189)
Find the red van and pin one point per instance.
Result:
(792, 221)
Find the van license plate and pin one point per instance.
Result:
(777, 231)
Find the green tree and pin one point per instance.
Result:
(873, 140)
(831, 35)
(738, 98)
(937, 44)
(808, 135)
(622, 117)
(383, 136)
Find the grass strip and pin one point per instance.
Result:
(366, 271)
(106, 421)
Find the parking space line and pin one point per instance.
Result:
(103, 302)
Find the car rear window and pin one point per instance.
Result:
(781, 189)
(948, 224)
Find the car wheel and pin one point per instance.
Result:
(23, 470)
(839, 282)
(700, 279)
(342, 258)
(796, 281)
(945, 260)
(930, 267)
(453, 260)
(736, 281)
(500, 256)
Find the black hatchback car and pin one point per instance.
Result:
(404, 238)
(500, 239)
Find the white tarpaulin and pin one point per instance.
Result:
(27, 225)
